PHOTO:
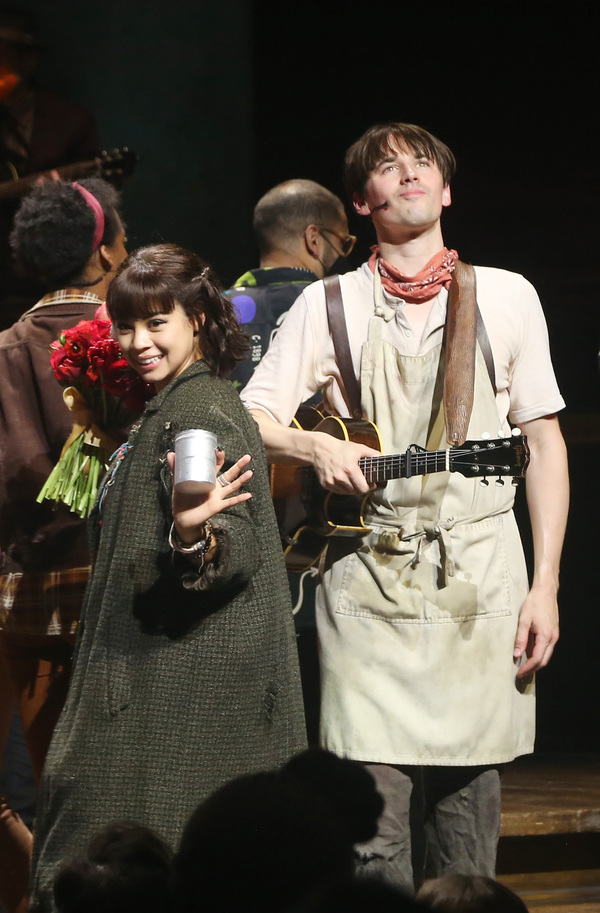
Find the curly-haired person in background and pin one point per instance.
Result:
(186, 672)
(71, 238)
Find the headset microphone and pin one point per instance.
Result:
(383, 205)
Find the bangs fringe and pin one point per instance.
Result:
(378, 142)
(139, 297)
(411, 140)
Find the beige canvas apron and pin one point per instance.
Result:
(417, 625)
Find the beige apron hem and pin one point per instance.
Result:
(426, 761)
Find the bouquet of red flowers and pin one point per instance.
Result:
(105, 395)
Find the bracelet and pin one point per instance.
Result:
(198, 549)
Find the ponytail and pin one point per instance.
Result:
(222, 341)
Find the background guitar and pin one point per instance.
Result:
(109, 165)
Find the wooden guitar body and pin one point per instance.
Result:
(309, 512)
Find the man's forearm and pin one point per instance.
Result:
(548, 502)
(547, 489)
(283, 443)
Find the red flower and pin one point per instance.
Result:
(107, 366)
(69, 353)
(98, 330)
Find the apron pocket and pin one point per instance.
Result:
(458, 575)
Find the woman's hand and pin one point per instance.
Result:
(190, 512)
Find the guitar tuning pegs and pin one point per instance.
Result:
(486, 436)
(484, 482)
(516, 432)
(500, 483)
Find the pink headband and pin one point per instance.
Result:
(96, 208)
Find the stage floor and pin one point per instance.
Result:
(549, 850)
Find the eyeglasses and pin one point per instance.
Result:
(347, 241)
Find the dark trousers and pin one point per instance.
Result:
(436, 820)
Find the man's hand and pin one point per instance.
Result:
(547, 488)
(336, 464)
(537, 632)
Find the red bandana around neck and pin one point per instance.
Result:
(426, 284)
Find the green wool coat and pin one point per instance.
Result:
(180, 682)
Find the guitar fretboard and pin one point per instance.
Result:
(402, 465)
(503, 457)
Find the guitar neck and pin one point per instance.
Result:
(404, 465)
(10, 189)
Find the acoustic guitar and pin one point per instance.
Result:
(308, 514)
(118, 163)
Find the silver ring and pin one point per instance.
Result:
(222, 480)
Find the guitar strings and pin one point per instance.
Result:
(377, 468)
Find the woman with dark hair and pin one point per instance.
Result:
(186, 671)
(70, 238)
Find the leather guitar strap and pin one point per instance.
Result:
(464, 326)
(341, 345)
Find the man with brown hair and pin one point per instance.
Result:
(429, 637)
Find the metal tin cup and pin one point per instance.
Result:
(195, 461)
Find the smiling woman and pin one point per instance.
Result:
(186, 673)
(159, 347)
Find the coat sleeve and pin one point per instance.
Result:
(238, 529)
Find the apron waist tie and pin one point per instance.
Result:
(440, 531)
(431, 531)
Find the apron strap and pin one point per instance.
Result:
(486, 350)
(341, 344)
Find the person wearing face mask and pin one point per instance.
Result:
(301, 231)
(429, 634)
(70, 237)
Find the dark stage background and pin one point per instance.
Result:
(223, 100)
